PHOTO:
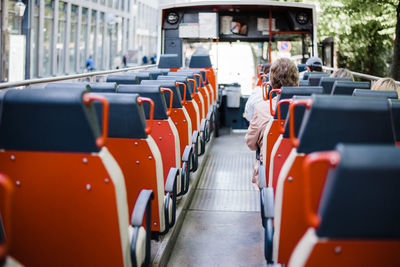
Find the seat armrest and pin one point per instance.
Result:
(267, 211)
(195, 152)
(203, 136)
(142, 207)
(186, 167)
(170, 190)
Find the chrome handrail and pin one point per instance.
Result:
(361, 75)
(71, 77)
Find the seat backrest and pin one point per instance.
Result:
(163, 71)
(347, 87)
(103, 87)
(395, 111)
(291, 91)
(346, 119)
(298, 118)
(315, 77)
(307, 74)
(375, 93)
(200, 61)
(142, 76)
(195, 71)
(304, 83)
(45, 124)
(154, 73)
(169, 61)
(150, 91)
(179, 79)
(123, 78)
(187, 75)
(327, 83)
(133, 122)
(177, 99)
(301, 67)
(361, 195)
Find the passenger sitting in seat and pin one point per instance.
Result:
(342, 73)
(386, 84)
(313, 64)
(283, 72)
(255, 97)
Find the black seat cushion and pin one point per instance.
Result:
(151, 91)
(361, 196)
(127, 118)
(288, 92)
(123, 78)
(48, 120)
(177, 99)
(347, 87)
(327, 83)
(169, 61)
(395, 115)
(375, 93)
(346, 119)
(200, 61)
(180, 79)
(103, 87)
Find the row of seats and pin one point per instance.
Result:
(328, 176)
(82, 160)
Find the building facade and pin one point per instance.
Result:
(59, 36)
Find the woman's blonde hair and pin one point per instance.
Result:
(387, 84)
(283, 72)
(342, 73)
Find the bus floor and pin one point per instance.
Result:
(222, 226)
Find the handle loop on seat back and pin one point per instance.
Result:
(205, 76)
(333, 159)
(8, 190)
(200, 80)
(278, 91)
(140, 100)
(184, 91)
(88, 98)
(278, 110)
(194, 85)
(259, 70)
(305, 102)
(171, 98)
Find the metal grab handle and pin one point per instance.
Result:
(194, 85)
(171, 97)
(278, 108)
(140, 100)
(205, 76)
(259, 70)
(184, 91)
(88, 98)
(200, 80)
(264, 95)
(8, 188)
(331, 157)
(278, 91)
(305, 102)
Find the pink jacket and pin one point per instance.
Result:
(255, 132)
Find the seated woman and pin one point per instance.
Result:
(342, 73)
(386, 84)
(283, 72)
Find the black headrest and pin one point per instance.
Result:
(103, 87)
(307, 74)
(127, 118)
(198, 72)
(346, 119)
(375, 93)
(361, 195)
(154, 73)
(177, 99)
(48, 120)
(290, 91)
(123, 78)
(315, 77)
(298, 118)
(169, 61)
(347, 87)
(150, 91)
(180, 79)
(304, 83)
(187, 76)
(200, 61)
(327, 83)
(395, 111)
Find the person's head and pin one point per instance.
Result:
(283, 72)
(266, 68)
(384, 84)
(342, 73)
(314, 64)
